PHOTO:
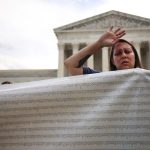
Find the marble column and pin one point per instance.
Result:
(105, 59)
(61, 69)
(138, 48)
(75, 47)
(149, 55)
(90, 61)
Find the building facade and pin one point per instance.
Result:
(75, 36)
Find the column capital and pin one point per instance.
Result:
(75, 44)
(61, 46)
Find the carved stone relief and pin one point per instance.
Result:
(111, 20)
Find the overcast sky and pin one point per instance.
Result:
(27, 40)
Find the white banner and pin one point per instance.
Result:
(109, 110)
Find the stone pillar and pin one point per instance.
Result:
(138, 48)
(90, 61)
(61, 69)
(105, 59)
(149, 55)
(75, 47)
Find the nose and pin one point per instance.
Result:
(123, 54)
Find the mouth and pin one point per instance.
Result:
(125, 62)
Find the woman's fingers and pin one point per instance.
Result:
(110, 29)
(118, 31)
(110, 37)
(120, 34)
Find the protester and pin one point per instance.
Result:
(123, 54)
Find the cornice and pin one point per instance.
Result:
(105, 20)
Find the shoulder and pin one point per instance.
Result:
(87, 70)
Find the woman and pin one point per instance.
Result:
(123, 54)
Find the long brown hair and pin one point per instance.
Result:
(137, 64)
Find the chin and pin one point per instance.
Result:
(126, 67)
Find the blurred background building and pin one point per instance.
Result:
(75, 36)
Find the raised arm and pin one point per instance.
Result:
(74, 63)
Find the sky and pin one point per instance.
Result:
(27, 39)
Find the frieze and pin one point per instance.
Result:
(112, 20)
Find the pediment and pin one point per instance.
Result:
(105, 20)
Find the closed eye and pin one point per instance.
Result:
(119, 52)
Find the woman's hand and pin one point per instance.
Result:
(110, 37)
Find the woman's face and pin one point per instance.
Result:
(123, 56)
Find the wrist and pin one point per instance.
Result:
(98, 45)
